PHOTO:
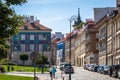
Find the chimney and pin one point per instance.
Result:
(31, 19)
(118, 5)
(38, 21)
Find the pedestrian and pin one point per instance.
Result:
(50, 71)
(53, 71)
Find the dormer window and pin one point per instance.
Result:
(25, 27)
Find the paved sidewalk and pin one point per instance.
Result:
(45, 76)
(57, 77)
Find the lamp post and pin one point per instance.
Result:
(34, 56)
(43, 54)
(72, 18)
(106, 44)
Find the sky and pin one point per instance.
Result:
(54, 14)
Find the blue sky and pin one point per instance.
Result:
(55, 13)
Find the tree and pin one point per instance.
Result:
(3, 51)
(80, 25)
(9, 20)
(42, 60)
(23, 57)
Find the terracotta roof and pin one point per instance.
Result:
(33, 26)
(68, 35)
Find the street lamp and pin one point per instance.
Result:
(106, 44)
(34, 56)
(72, 18)
(43, 53)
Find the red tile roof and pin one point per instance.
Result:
(34, 26)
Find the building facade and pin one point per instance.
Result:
(55, 40)
(71, 36)
(80, 48)
(32, 36)
(91, 46)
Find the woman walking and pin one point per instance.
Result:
(53, 71)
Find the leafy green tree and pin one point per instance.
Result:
(80, 25)
(9, 20)
(3, 51)
(42, 60)
(24, 57)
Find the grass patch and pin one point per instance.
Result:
(25, 68)
(14, 77)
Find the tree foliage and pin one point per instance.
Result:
(80, 25)
(9, 20)
(24, 57)
(42, 60)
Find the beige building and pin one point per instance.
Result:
(109, 38)
(80, 48)
(91, 46)
(67, 47)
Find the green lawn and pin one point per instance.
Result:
(13, 77)
(24, 68)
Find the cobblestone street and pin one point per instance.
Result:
(80, 74)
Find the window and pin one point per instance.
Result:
(22, 47)
(40, 47)
(97, 46)
(118, 26)
(97, 35)
(31, 47)
(40, 37)
(22, 36)
(31, 37)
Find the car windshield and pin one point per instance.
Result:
(106, 67)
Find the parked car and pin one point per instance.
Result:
(104, 69)
(91, 67)
(113, 72)
(95, 68)
(68, 69)
(86, 66)
(99, 68)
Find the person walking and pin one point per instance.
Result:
(50, 71)
(53, 71)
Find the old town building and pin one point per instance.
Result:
(80, 48)
(32, 36)
(91, 46)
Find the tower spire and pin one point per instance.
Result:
(79, 13)
(79, 18)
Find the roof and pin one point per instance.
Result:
(34, 26)
(74, 32)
